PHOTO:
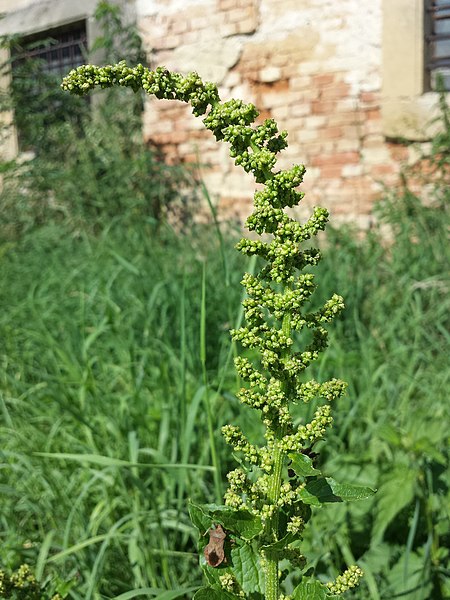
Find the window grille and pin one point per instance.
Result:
(39, 61)
(438, 42)
(58, 50)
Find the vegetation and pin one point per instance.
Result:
(269, 497)
(116, 377)
(23, 585)
(71, 142)
(100, 357)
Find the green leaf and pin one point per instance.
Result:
(247, 568)
(391, 434)
(348, 492)
(408, 577)
(424, 446)
(200, 519)
(302, 465)
(241, 522)
(394, 494)
(310, 590)
(108, 461)
(156, 593)
(321, 490)
(210, 593)
(172, 594)
(281, 544)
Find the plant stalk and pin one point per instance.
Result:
(272, 579)
(272, 588)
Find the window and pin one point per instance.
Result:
(57, 32)
(38, 62)
(438, 42)
(58, 50)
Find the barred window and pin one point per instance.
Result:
(438, 42)
(58, 50)
(38, 62)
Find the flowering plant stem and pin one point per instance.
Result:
(268, 502)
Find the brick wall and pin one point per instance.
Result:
(315, 69)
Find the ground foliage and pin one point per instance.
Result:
(280, 338)
(100, 356)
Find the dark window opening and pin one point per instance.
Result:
(438, 42)
(58, 50)
(39, 62)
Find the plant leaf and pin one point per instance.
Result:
(325, 489)
(348, 492)
(108, 461)
(172, 594)
(407, 577)
(158, 594)
(394, 494)
(200, 519)
(310, 590)
(247, 569)
(210, 593)
(241, 522)
(302, 465)
(281, 544)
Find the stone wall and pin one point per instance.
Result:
(346, 78)
(314, 66)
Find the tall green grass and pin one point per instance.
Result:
(116, 377)
(392, 347)
(103, 400)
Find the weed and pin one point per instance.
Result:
(269, 497)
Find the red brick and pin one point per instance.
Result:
(180, 124)
(370, 128)
(331, 132)
(320, 107)
(288, 69)
(189, 37)
(344, 118)
(175, 137)
(336, 91)
(307, 95)
(322, 80)
(280, 85)
(369, 97)
(373, 115)
(389, 169)
(398, 152)
(342, 158)
(331, 172)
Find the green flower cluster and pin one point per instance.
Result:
(22, 584)
(348, 580)
(282, 335)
